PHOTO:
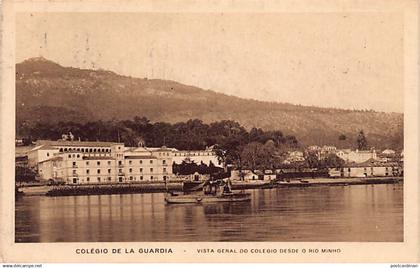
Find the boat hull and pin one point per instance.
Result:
(198, 199)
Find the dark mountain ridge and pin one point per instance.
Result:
(49, 92)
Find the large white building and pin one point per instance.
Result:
(75, 162)
(356, 156)
(46, 149)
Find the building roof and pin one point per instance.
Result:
(98, 158)
(136, 149)
(148, 149)
(77, 143)
(370, 163)
(22, 150)
(37, 147)
(345, 150)
(52, 159)
(363, 151)
(21, 158)
(140, 157)
(74, 151)
(163, 148)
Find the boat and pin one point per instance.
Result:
(18, 192)
(172, 198)
(297, 183)
(287, 183)
(191, 186)
(211, 191)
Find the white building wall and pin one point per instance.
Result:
(362, 172)
(90, 164)
(40, 155)
(88, 169)
(142, 169)
(357, 156)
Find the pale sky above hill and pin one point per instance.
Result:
(343, 60)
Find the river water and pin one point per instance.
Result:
(323, 213)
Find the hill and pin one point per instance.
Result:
(49, 92)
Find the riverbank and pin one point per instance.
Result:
(337, 182)
(126, 188)
(156, 187)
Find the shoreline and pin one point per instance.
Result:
(159, 187)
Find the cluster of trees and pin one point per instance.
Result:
(192, 135)
(257, 155)
(231, 140)
(234, 145)
(190, 167)
(331, 160)
(24, 174)
(269, 155)
(362, 143)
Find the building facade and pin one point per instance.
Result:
(358, 156)
(366, 170)
(75, 162)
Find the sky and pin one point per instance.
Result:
(342, 60)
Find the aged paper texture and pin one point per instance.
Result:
(294, 123)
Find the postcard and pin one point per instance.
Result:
(209, 131)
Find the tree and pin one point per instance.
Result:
(362, 143)
(24, 174)
(332, 160)
(342, 137)
(228, 137)
(311, 159)
(188, 167)
(250, 155)
(129, 137)
(258, 156)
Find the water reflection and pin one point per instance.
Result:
(342, 213)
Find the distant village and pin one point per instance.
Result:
(70, 161)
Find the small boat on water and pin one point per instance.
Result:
(18, 192)
(171, 198)
(298, 183)
(286, 183)
(209, 191)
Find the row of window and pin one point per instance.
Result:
(130, 162)
(109, 163)
(98, 163)
(79, 156)
(120, 179)
(119, 162)
(193, 154)
(119, 170)
(88, 179)
(86, 150)
(365, 168)
(141, 170)
(142, 177)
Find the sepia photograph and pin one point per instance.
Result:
(135, 138)
(226, 126)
